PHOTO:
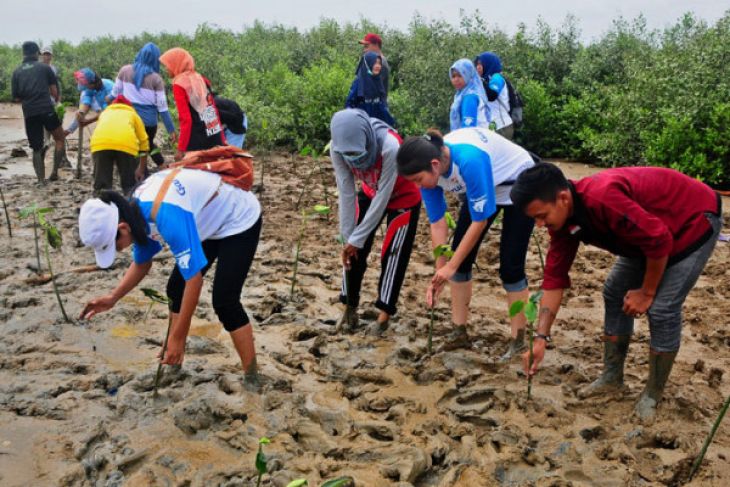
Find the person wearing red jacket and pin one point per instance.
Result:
(661, 224)
(200, 125)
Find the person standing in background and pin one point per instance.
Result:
(47, 58)
(374, 43)
(141, 84)
(34, 85)
(470, 107)
(489, 67)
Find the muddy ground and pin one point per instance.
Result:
(76, 406)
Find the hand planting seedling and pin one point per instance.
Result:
(5, 207)
(530, 310)
(52, 239)
(261, 459)
(316, 210)
(156, 297)
(442, 250)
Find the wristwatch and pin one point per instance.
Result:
(543, 337)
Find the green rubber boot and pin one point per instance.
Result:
(516, 346)
(457, 339)
(39, 166)
(660, 366)
(57, 161)
(615, 349)
(349, 321)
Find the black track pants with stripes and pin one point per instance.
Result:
(394, 256)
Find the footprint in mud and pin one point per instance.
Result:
(473, 405)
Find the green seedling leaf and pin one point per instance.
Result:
(340, 239)
(321, 209)
(327, 147)
(42, 211)
(531, 311)
(27, 211)
(305, 151)
(516, 308)
(264, 441)
(155, 295)
(53, 236)
(155, 151)
(536, 297)
(260, 461)
(450, 222)
(297, 483)
(443, 250)
(339, 482)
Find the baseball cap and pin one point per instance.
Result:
(98, 229)
(47, 50)
(371, 38)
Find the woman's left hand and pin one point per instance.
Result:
(443, 275)
(175, 351)
(179, 155)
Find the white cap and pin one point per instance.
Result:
(47, 49)
(98, 223)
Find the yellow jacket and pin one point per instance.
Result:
(120, 128)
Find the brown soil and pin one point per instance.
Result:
(76, 406)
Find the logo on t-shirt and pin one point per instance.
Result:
(478, 204)
(183, 259)
(179, 187)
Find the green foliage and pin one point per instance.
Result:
(154, 295)
(443, 250)
(261, 460)
(631, 96)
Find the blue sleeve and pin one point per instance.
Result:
(496, 82)
(476, 170)
(469, 110)
(167, 120)
(350, 101)
(435, 203)
(178, 228)
(87, 98)
(144, 253)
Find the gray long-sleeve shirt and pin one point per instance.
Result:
(355, 234)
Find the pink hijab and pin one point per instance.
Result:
(181, 66)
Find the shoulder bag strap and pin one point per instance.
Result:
(162, 192)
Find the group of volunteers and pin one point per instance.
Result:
(661, 224)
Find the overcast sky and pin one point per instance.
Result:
(73, 20)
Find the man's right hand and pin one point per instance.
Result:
(538, 354)
(98, 305)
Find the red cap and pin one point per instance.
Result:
(371, 38)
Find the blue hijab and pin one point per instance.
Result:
(369, 85)
(147, 61)
(473, 86)
(491, 64)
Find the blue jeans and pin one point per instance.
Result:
(665, 313)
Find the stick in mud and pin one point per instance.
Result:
(430, 331)
(701, 456)
(158, 375)
(7, 217)
(80, 154)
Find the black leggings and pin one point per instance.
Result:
(513, 244)
(151, 132)
(394, 257)
(234, 254)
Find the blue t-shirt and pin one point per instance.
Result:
(470, 173)
(97, 99)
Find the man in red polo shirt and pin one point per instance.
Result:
(661, 224)
(373, 42)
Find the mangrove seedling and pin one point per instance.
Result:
(52, 239)
(5, 207)
(312, 152)
(261, 459)
(708, 440)
(442, 250)
(530, 310)
(306, 215)
(339, 482)
(34, 211)
(156, 297)
(297, 483)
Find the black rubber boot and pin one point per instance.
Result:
(57, 160)
(252, 379)
(39, 166)
(660, 366)
(615, 348)
(457, 339)
(516, 345)
(65, 163)
(349, 321)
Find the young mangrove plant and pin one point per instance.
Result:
(156, 297)
(443, 250)
(338, 482)
(5, 207)
(52, 239)
(306, 215)
(530, 310)
(261, 459)
(708, 440)
(315, 155)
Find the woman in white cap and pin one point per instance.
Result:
(201, 219)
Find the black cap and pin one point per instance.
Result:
(30, 48)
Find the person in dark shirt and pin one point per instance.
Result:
(661, 224)
(31, 84)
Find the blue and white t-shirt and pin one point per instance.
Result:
(188, 216)
(483, 165)
(474, 113)
(499, 107)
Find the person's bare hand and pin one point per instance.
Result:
(538, 354)
(636, 302)
(175, 351)
(433, 292)
(348, 254)
(97, 305)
